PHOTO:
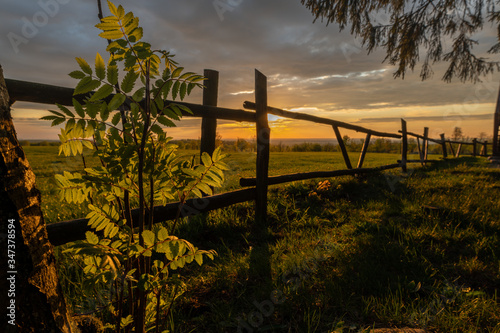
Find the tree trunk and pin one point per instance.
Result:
(29, 279)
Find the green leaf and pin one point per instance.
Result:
(102, 93)
(77, 75)
(165, 121)
(162, 234)
(84, 65)
(166, 89)
(136, 35)
(177, 72)
(100, 68)
(186, 75)
(127, 19)
(86, 85)
(108, 25)
(104, 112)
(149, 238)
(116, 118)
(124, 322)
(65, 110)
(205, 188)
(78, 108)
(139, 94)
(199, 258)
(91, 238)
(183, 90)
(157, 129)
(112, 74)
(88, 144)
(184, 108)
(116, 102)
(129, 82)
(175, 89)
(57, 121)
(120, 12)
(112, 8)
(49, 117)
(133, 24)
(190, 87)
(111, 34)
(205, 158)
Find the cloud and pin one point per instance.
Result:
(487, 116)
(308, 65)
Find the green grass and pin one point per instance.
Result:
(420, 250)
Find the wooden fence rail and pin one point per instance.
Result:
(424, 150)
(48, 94)
(68, 231)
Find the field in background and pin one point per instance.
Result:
(45, 162)
(390, 250)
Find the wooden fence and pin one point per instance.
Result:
(68, 231)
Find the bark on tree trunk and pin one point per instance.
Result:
(28, 273)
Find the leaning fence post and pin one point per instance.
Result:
(474, 147)
(458, 150)
(451, 148)
(263, 137)
(342, 147)
(404, 148)
(209, 124)
(364, 150)
(443, 145)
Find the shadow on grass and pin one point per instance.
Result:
(394, 264)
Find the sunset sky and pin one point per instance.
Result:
(311, 68)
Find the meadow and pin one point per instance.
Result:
(420, 249)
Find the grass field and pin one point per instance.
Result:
(419, 250)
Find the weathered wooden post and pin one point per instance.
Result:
(458, 150)
(484, 150)
(209, 124)
(263, 138)
(443, 145)
(364, 150)
(451, 148)
(420, 151)
(32, 297)
(474, 147)
(342, 147)
(259, 270)
(404, 148)
(426, 143)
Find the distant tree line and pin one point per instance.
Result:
(26, 143)
(378, 145)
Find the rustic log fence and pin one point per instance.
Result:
(68, 231)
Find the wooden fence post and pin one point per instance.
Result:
(420, 150)
(451, 148)
(484, 150)
(263, 137)
(209, 124)
(474, 147)
(404, 148)
(443, 145)
(342, 147)
(364, 150)
(458, 150)
(426, 143)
